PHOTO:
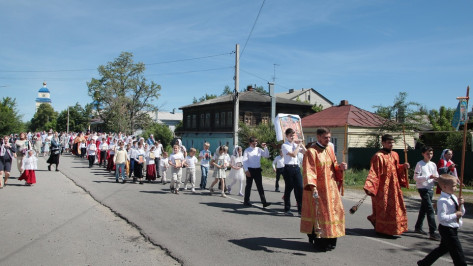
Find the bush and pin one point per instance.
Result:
(160, 132)
(355, 177)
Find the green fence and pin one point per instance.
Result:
(359, 158)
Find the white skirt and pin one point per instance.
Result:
(237, 174)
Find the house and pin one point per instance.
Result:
(170, 119)
(306, 95)
(212, 120)
(362, 127)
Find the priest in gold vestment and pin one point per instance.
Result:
(383, 184)
(323, 217)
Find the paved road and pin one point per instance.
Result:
(55, 222)
(203, 229)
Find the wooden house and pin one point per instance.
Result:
(212, 120)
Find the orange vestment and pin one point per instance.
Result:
(320, 169)
(383, 184)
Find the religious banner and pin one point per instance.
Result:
(460, 115)
(285, 121)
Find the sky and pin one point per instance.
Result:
(364, 51)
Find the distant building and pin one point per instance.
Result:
(212, 120)
(44, 96)
(170, 119)
(306, 95)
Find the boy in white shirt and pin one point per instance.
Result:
(190, 162)
(450, 219)
(278, 168)
(425, 174)
(176, 161)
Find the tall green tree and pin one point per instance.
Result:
(122, 95)
(10, 120)
(45, 118)
(402, 113)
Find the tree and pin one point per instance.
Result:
(160, 132)
(10, 120)
(78, 118)
(263, 132)
(45, 118)
(259, 89)
(123, 96)
(226, 91)
(402, 113)
(317, 107)
(204, 98)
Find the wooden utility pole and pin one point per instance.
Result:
(236, 100)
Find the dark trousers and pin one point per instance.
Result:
(426, 208)
(293, 179)
(448, 243)
(156, 163)
(91, 160)
(255, 175)
(132, 166)
(279, 172)
(103, 154)
(83, 152)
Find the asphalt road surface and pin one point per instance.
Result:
(193, 228)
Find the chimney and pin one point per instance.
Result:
(291, 90)
(249, 88)
(343, 102)
(173, 110)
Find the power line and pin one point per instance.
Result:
(189, 59)
(89, 69)
(252, 28)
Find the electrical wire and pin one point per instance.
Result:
(252, 28)
(90, 69)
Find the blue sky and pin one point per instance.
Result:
(363, 51)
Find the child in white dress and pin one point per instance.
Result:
(176, 161)
(237, 173)
(29, 165)
(163, 167)
(220, 165)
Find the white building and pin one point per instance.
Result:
(44, 96)
(306, 95)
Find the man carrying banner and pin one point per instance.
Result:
(383, 184)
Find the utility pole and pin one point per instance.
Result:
(236, 105)
(274, 71)
(273, 101)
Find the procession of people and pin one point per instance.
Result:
(316, 185)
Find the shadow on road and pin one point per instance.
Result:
(269, 244)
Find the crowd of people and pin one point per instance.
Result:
(316, 184)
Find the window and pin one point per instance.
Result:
(194, 121)
(188, 121)
(207, 120)
(217, 120)
(229, 119)
(264, 118)
(248, 118)
(222, 119)
(202, 121)
(335, 145)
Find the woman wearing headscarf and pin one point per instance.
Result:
(7, 153)
(446, 166)
(55, 151)
(22, 145)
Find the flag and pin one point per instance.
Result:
(461, 114)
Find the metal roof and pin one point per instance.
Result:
(245, 96)
(337, 116)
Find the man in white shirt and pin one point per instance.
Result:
(292, 172)
(252, 166)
